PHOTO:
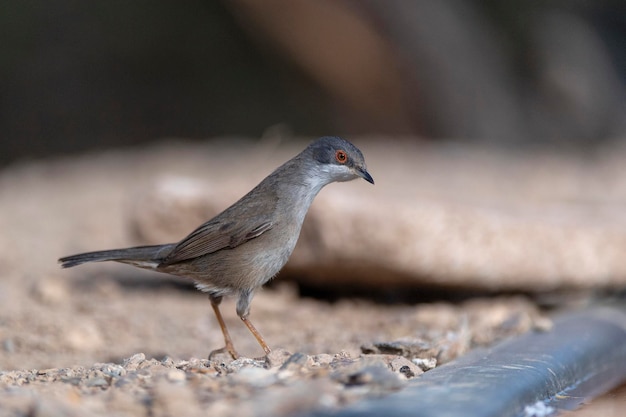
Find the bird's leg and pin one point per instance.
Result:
(256, 334)
(243, 311)
(215, 303)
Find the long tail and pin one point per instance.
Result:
(142, 256)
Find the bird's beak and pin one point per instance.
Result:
(362, 172)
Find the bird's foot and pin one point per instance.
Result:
(226, 349)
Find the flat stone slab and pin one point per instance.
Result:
(441, 215)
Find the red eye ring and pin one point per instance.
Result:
(341, 156)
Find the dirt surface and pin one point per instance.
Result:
(117, 350)
(112, 340)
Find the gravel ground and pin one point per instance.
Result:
(371, 350)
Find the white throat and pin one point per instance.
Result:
(314, 180)
(325, 174)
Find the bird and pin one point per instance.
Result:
(246, 245)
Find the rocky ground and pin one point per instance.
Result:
(111, 340)
(333, 354)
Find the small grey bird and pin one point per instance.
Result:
(246, 245)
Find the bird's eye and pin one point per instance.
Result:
(341, 156)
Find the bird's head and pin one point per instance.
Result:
(336, 159)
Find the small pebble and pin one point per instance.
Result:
(322, 360)
(409, 348)
(295, 361)
(84, 336)
(277, 357)
(255, 376)
(405, 367)
(113, 370)
(241, 363)
(131, 364)
(97, 382)
(176, 375)
(375, 375)
(425, 364)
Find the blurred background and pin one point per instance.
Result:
(76, 75)
(479, 236)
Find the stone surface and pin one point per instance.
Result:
(444, 216)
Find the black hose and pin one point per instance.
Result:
(582, 356)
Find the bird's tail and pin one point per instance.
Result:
(142, 256)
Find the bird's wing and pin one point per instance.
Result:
(215, 235)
